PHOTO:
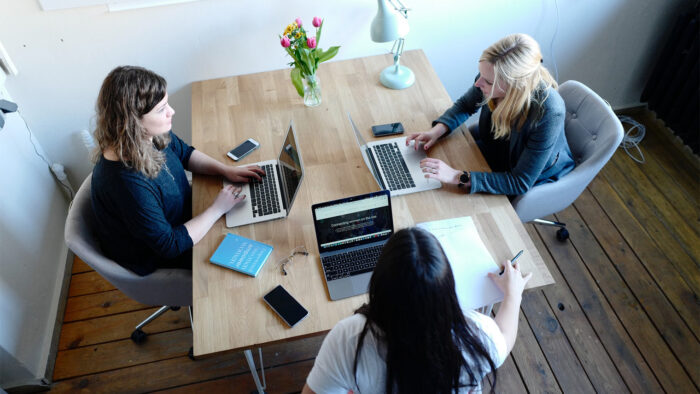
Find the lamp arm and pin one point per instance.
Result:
(400, 8)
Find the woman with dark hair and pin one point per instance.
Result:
(412, 336)
(140, 194)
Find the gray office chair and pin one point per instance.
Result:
(593, 133)
(169, 287)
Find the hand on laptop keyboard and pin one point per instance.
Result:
(243, 174)
(438, 169)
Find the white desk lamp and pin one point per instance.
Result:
(391, 24)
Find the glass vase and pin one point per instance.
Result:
(312, 91)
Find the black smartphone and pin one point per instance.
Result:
(289, 309)
(387, 129)
(243, 149)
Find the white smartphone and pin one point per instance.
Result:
(243, 149)
(286, 307)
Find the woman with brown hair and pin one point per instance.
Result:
(140, 192)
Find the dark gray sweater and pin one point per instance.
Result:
(141, 220)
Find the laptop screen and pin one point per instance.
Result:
(291, 169)
(353, 221)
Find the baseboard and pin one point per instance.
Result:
(60, 312)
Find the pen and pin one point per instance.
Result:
(512, 261)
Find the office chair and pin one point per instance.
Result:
(169, 287)
(593, 133)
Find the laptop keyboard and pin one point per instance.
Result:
(350, 263)
(394, 166)
(263, 194)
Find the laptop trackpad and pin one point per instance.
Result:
(350, 286)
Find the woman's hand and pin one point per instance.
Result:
(512, 281)
(437, 169)
(243, 174)
(228, 197)
(427, 138)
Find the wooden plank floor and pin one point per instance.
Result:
(623, 316)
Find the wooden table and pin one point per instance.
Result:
(229, 313)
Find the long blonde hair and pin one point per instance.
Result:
(127, 94)
(517, 63)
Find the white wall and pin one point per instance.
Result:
(63, 55)
(32, 256)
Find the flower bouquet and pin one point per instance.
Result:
(307, 56)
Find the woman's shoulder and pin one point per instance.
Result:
(551, 100)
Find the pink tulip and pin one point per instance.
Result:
(298, 21)
(285, 42)
(311, 42)
(317, 21)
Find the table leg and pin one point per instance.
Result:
(253, 370)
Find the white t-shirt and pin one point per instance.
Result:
(333, 368)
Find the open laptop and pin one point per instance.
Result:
(395, 166)
(351, 233)
(271, 198)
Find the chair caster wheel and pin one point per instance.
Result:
(174, 308)
(190, 354)
(562, 234)
(138, 336)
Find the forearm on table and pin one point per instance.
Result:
(201, 163)
(507, 319)
(198, 226)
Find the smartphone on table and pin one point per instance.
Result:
(387, 129)
(243, 149)
(289, 309)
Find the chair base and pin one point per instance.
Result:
(562, 233)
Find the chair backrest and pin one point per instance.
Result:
(593, 133)
(171, 287)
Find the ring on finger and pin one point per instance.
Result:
(236, 194)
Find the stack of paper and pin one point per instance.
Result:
(470, 261)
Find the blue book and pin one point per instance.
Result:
(241, 254)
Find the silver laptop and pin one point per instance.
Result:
(351, 233)
(395, 166)
(271, 198)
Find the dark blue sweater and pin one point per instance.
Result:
(535, 153)
(140, 221)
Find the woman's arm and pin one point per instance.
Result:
(201, 163)
(512, 283)
(462, 109)
(198, 226)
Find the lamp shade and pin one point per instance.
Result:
(388, 24)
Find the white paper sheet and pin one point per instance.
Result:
(470, 261)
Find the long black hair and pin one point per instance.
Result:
(413, 310)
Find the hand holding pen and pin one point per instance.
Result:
(512, 261)
(511, 281)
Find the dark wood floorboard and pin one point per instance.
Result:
(623, 315)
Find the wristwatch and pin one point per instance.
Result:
(464, 178)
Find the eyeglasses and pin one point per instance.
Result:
(298, 250)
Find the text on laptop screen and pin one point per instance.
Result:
(367, 219)
(290, 168)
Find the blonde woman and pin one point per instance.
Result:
(521, 126)
(140, 193)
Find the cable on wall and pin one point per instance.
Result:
(56, 169)
(633, 137)
(551, 44)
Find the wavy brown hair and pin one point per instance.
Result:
(517, 63)
(126, 95)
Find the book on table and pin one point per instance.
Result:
(241, 254)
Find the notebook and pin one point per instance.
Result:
(469, 259)
(350, 233)
(395, 166)
(273, 196)
(241, 254)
